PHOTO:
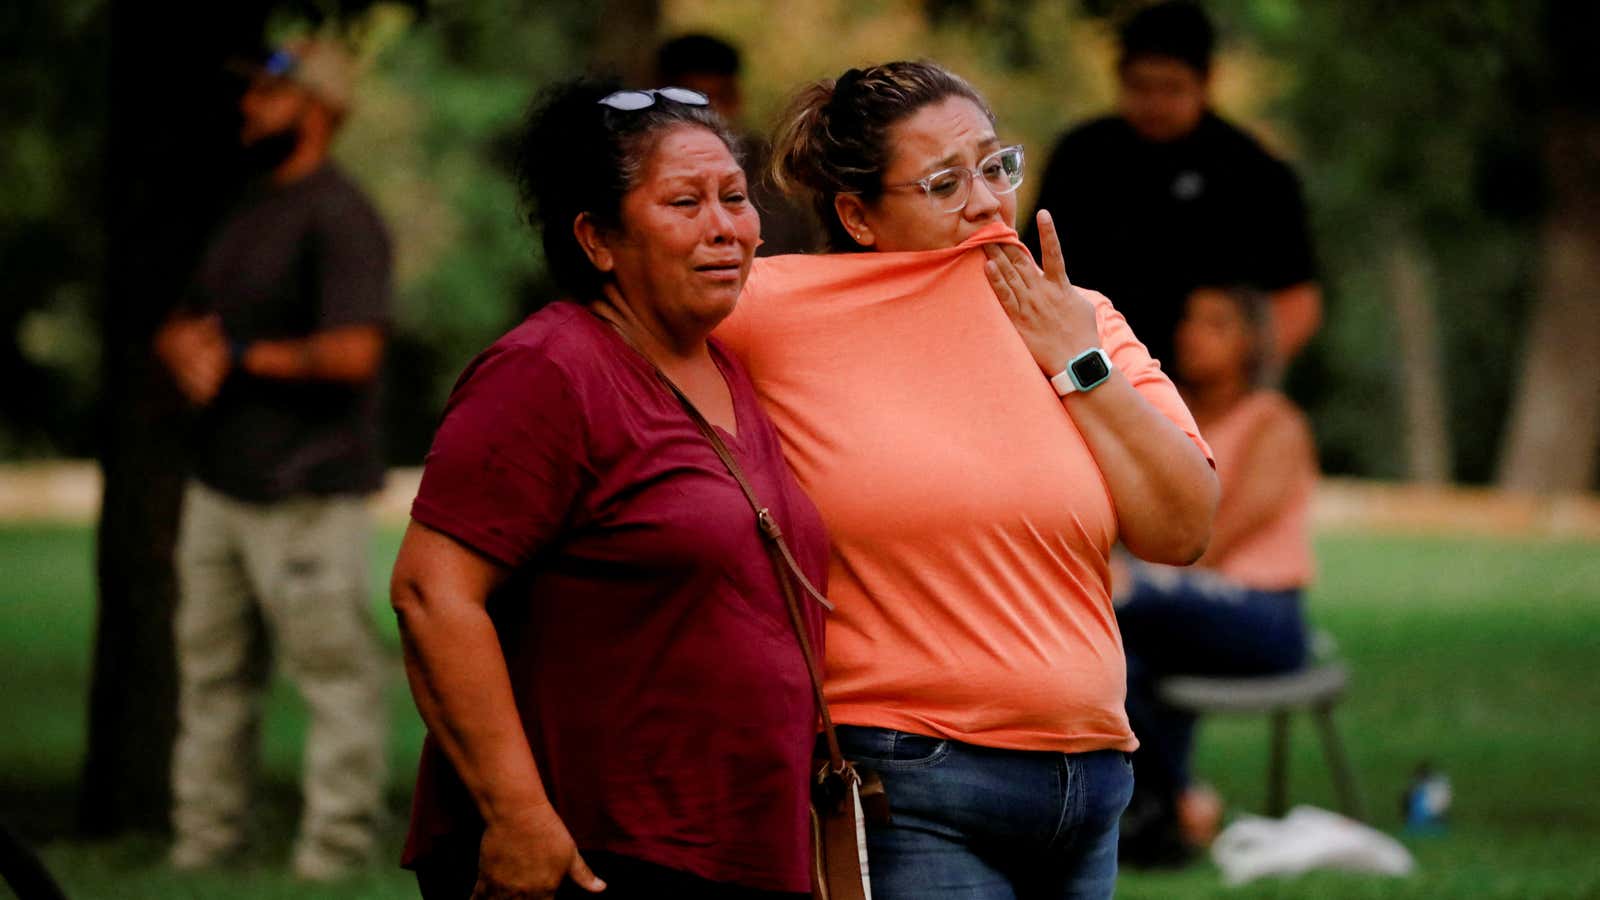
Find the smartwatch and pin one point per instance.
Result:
(1087, 371)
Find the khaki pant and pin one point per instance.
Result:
(285, 580)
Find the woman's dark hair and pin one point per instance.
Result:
(1255, 309)
(576, 155)
(835, 135)
(1176, 29)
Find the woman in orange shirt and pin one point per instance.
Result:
(977, 433)
(1238, 611)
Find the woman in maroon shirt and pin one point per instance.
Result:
(594, 633)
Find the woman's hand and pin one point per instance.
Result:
(528, 857)
(457, 670)
(1164, 491)
(1055, 321)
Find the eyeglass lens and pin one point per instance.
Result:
(1001, 172)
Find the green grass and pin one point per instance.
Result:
(1478, 655)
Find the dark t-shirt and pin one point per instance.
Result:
(651, 654)
(290, 261)
(1145, 223)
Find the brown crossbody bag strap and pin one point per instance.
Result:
(783, 562)
(841, 795)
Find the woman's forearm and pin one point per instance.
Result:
(1163, 489)
(462, 688)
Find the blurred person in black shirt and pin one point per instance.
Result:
(1164, 195)
(713, 67)
(278, 345)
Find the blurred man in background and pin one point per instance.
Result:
(1165, 178)
(712, 66)
(278, 345)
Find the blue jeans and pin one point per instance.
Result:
(1193, 622)
(976, 823)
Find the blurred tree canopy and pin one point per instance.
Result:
(1421, 138)
(432, 140)
(52, 134)
(1426, 130)
(1448, 152)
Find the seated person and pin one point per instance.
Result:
(1237, 612)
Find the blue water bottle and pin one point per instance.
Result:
(1426, 805)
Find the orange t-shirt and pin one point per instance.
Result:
(970, 523)
(1276, 554)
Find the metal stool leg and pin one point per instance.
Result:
(1278, 766)
(1344, 781)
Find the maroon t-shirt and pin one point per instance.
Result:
(654, 665)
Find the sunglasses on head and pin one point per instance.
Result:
(631, 100)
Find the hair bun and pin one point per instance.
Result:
(846, 89)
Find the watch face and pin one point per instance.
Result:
(1089, 370)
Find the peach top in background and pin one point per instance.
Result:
(1277, 555)
(970, 523)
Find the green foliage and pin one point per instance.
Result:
(1423, 125)
(52, 103)
(1419, 123)
(437, 109)
(440, 110)
(1474, 654)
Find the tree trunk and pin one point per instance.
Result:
(1421, 373)
(1553, 443)
(170, 147)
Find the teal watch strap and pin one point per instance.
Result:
(1087, 371)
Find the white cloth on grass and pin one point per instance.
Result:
(1307, 838)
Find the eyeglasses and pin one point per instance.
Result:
(951, 188)
(629, 101)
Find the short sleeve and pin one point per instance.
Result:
(734, 332)
(1286, 257)
(510, 458)
(353, 265)
(1143, 371)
